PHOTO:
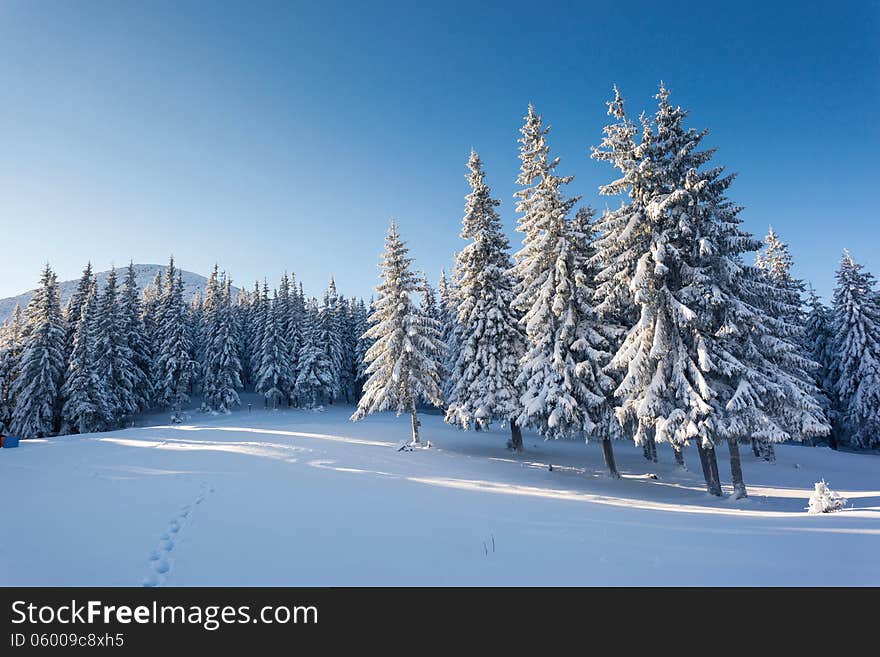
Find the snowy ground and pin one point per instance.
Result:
(304, 498)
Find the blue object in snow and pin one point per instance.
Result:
(10, 441)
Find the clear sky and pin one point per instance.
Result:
(273, 136)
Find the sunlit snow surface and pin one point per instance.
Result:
(305, 498)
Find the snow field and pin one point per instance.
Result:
(310, 499)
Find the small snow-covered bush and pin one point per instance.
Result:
(825, 500)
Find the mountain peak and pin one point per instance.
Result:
(145, 273)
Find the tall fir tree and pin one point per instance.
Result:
(223, 363)
(490, 341)
(73, 309)
(283, 313)
(243, 316)
(856, 329)
(37, 389)
(678, 252)
(273, 381)
(327, 335)
(206, 334)
(661, 363)
(175, 367)
(314, 381)
(546, 368)
(347, 311)
(198, 309)
(624, 232)
(258, 314)
(362, 346)
(449, 329)
(151, 314)
(564, 388)
(12, 335)
(402, 365)
(797, 404)
(819, 344)
(115, 372)
(430, 314)
(86, 407)
(295, 336)
(136, 339)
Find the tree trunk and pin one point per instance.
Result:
(755, 449)
(704, 464)
(415, 425)
(516, 439)
(736, 472)
(713, 468)
(649, 448)
(832, 441)
(608, 453)
(679, 456)
(710, 469)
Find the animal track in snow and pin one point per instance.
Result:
(159, 562)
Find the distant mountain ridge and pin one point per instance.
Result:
(192, 283)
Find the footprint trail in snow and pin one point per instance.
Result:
(160, 561)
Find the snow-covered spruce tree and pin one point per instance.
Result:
(402, 365)
(273, 380)
(11, 343)
(564, 391)
(151, 310)
(347, 309)
(135, 336)
(195, 324)
(428, 299)
(490, 340)
(856, 329)
(41, 366)
(295, 336)
(175, 366)
(198, 327)
(314, 381)
(623, 233)
(327, 337)
(825, 500)
(283, 310)
(362, 346)
(114, 369)
(206, 333)
(818, 343)
(227, 362)
(258, 313)
(797, 404)
(221, 364)
(243, 319)
(430, 317)
(446, 290)
(703, 363)
(87, 407)
(73, 309)
(662, 364)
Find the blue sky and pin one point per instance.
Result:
(273, 136)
